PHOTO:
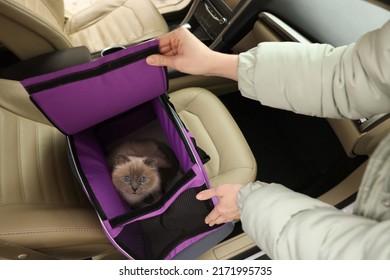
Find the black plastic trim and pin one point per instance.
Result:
(46, 63)
(336, 22)
(349, 200)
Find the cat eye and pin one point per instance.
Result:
(127, 179)
(143, 179)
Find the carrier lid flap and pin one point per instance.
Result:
(79, 97)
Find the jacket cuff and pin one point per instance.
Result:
(246, 73)
(266, 209)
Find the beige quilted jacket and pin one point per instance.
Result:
(344, 82)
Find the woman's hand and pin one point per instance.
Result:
(181, 50)
(226, 209)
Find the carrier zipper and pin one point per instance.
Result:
(93, 72)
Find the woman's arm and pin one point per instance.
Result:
(316, 79)
(313, 79)
(289, 225)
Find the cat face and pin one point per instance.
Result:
(137, 180)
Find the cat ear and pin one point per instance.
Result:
(121, 159)
(163, 162)
(150, 162)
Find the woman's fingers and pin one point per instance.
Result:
(207, 194)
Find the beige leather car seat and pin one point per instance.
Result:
(33, 27)
(216, 132)
(42, 207)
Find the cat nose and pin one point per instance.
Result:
(134, 188)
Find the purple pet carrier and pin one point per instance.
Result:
(115, 97)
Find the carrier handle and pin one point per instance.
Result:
(204, 157)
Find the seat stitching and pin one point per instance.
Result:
(1, 164)
(39, 168)
(18, 114)
(192, 99)
(49, 204)
(97, 19)
(56, 176)
(19, 157)
(189, 111)
(211, 139)
(51, 231)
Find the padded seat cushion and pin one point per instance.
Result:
(115, 22)
(208, 120)
(41, 205)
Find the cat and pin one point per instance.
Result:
(140, 170)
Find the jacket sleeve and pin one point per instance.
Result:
(289, 225)
(317, 79)
(313, 79)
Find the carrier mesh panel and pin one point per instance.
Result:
(182, 220)
(131, 237)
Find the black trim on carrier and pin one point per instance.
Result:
(83, 180)
(93, 72)
(176, 121)
(202, 229)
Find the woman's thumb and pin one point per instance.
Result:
(157, 60)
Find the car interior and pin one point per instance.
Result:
(44, 213)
